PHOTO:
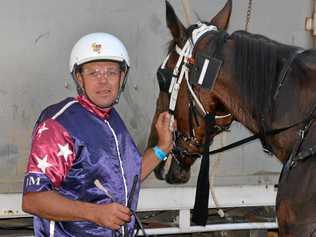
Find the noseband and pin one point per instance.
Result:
(209, 66)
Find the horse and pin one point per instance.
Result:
(189, 146)
(267, 86)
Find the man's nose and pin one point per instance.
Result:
(103, 77)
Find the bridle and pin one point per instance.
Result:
(181, 72)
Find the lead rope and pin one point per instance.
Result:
(200, 210)
(129, 204)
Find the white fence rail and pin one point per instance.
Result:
(181, 199)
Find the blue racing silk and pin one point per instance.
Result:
(73, 145)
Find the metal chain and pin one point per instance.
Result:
(249, 10)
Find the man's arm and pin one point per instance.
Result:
(150, 161)
(51, 205)
(51, 157)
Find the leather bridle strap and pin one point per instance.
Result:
(200, 210)
(257, 136)
(285, 69)
(301, 136)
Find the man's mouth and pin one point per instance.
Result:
(104, 92)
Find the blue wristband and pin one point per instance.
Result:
(160, 154)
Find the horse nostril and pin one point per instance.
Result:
(160, 172)
(177, 179)
(177, 175)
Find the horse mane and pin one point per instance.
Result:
(258, 62)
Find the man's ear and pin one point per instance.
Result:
(79, 79)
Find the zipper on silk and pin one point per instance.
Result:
(121, 163)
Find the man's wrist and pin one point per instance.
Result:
(159, 153)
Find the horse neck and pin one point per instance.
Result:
(280, 145)
(249, 93)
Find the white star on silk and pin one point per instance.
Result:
(64, 151)
(42, 129)
(42, 163)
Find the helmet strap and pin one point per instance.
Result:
(79, 88)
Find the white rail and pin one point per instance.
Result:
(181, 199)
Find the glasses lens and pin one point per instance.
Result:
(97, 73)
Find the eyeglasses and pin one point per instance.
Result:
(98, 74)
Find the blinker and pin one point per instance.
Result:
(205, 71)
(164, 76)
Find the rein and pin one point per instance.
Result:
(260, 135)
(300, 156)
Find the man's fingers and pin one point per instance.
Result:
(123, 218)
(115, 226)
(123, 213)
(124, 210)
(163, 119)
(114, 215)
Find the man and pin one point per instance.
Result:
(83, 163)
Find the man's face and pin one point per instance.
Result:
(101, 81)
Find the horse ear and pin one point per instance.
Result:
(221, 20)
(175, 26)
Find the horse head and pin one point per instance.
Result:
(267, 86)
(193, 100)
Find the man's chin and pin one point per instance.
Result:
(103, 101)
(104, 105)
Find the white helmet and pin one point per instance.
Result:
(98, 46)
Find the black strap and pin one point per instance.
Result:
(129, 201)
(284, 71)
(256, 136)
(129, 205)
(139, 224)
(191, 111)
(132, 193)
(306, 153)
(200, 210)
(297, 146)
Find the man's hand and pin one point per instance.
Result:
(165, 141)
(112, 215)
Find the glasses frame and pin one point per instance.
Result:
(97, 74)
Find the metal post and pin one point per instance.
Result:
(187, 12)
